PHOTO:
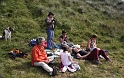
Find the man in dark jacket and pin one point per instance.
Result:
(50, 21)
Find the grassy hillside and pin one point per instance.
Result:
(80, 18)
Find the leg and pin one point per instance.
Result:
(52, 34)
(64, 69)
(49, 39)
(10, 36)
(101, 52)
(71, 69)
(44, 65)
(5, 37)
(93, 55)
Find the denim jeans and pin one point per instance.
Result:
(50, 36)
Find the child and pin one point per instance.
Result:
(66, 60)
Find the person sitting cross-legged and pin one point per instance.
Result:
(67, 62)
(39, 56)
(64, 40)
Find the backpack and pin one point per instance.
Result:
(32, 43)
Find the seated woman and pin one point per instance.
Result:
(63, 37)
(66, 61)
(92, 43)
(64, 40)
(92, 55)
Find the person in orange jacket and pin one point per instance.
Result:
(39, 56)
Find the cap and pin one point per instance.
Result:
(40, 39)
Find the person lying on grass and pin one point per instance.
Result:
(92, 55)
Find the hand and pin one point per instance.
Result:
(53, 21)
(46, 61)
(88, 49)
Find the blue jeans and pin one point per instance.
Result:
(50, 36)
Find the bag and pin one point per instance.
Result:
(16, 53)
(32, 43)
(75, 66)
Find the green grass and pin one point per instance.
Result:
(80, 18)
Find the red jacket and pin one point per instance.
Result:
(38, 55)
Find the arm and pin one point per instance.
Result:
(95, 44)
(61, 40)
(83, 55)
(60, 58)
(88, 44)
(36, 53)
(66, 39)
(69, 57)
(49, 21)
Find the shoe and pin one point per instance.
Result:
(108, 60)
(101, 57)
(97, 62)
(51, 73)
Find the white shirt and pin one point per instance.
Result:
(64, 58)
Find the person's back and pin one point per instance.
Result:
(65, 58)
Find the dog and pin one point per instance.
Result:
(7, 33)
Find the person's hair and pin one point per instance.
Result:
(65, 48)
(51, 13)
(94, 36)
(63, 32)
(39, 40)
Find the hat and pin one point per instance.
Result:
(40, 39)
(63, 32)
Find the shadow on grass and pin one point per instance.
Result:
(26, 68)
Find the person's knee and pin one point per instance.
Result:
(95, 49)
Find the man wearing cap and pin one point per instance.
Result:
(39, 56)
(50, 21)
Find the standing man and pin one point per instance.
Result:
(50, 21)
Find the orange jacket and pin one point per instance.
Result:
(38, 55)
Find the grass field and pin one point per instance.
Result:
(80, 18)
